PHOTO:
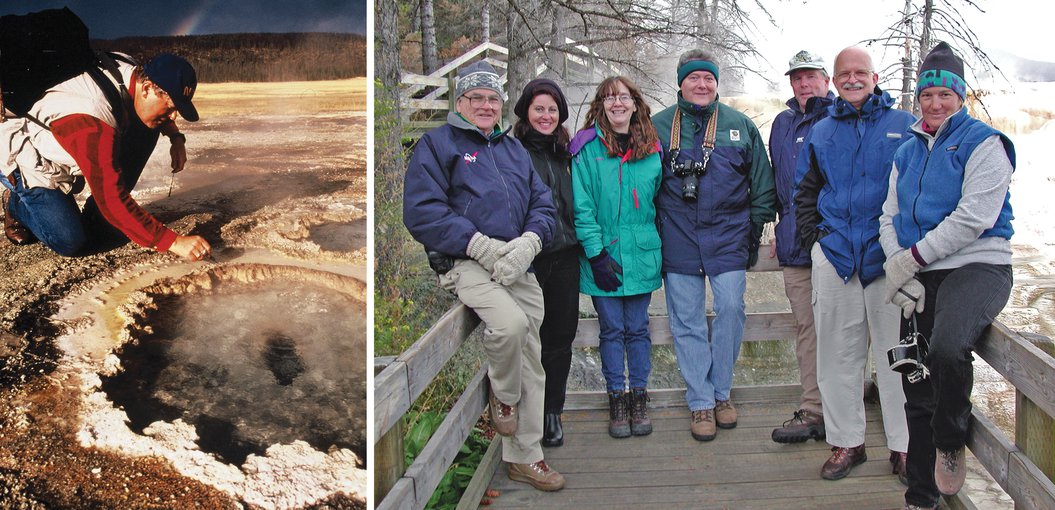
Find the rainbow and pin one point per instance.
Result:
(190, 24)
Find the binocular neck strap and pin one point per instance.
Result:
(708, 139)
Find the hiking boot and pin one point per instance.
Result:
(14, 230)
(842, 461)
(899, 461)
(503, 417)
(701, 424)
(552, 431)
(803, 426)
(538, 474)
(949, 471)
(640, 424)
(725, 414)
(618, 414)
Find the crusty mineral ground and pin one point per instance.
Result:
(261, 179)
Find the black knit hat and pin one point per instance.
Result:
(942, 68)
(541, 86)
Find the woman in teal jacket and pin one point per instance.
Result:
(616, 173)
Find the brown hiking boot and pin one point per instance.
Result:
(538, 474)
(949, 471)
(618, 414)
(801, 427)
(640, 424)
(503, 417)
(725, 414)
(842, 461)
(899, 461)
(14, 230)
(701, 424)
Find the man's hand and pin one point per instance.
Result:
(178, 152)
(910, 298)
(191, 247)
(773, 248)
(484, 250)
(515, 258)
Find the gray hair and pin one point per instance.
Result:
(696, 54)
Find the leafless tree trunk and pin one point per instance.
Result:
(388, 153)
(428, 38)
(485, 20)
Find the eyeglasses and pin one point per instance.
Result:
(623, 98)
(480, 101)
(170, 106)
(860, 75)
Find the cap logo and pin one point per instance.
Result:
(188, 91)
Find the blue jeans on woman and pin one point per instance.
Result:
(624, 335)
(706, 358)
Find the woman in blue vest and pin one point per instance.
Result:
(946, 230)
(616, 171)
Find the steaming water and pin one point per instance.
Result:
(260, 365)
(344, 237)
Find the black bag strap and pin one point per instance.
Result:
(119, 98)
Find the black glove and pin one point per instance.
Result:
(754, 239)
(605, 271)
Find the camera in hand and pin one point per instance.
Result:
(908, 356)
(690, 172)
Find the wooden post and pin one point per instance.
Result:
(452, 96)
(389, 461)
(1034, 429)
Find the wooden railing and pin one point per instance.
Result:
(422, 112)
(1024, 468)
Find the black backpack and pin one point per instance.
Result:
(42, 49)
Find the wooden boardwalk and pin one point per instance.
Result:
(742, 468)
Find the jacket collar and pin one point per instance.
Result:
(695, 109)
(814, 105)
(456, 120)
(877, 101)
(950, 124)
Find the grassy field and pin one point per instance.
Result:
(304, 97)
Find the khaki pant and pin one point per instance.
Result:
(850, 318)
(799, 289)
(511, 317)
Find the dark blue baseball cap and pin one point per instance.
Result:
(176, 77)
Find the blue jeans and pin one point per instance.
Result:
(52, 216)
(624, 334)
(706, 361)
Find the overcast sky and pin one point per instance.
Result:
(111, 19)
(1020, 27)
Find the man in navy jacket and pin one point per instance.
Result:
(473, 199)
(809, 83)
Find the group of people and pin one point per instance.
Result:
(883, 218)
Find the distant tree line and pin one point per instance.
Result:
(255, 57)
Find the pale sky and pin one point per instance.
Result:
(1021, 27)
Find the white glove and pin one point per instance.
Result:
(516, 257)
(910, 298)
(484, 250)
(899, 270)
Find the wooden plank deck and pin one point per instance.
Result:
(742, 468)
